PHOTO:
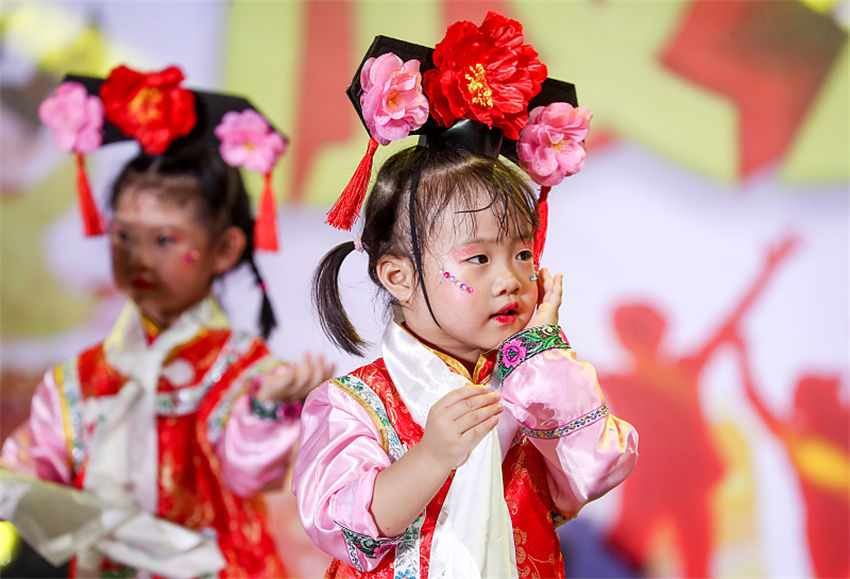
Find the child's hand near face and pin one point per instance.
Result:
(294, 381)
(458, 422)
(550, 291)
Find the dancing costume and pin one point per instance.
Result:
(556, 444)
(165, 422)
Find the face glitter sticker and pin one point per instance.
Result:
(191, 256)
(462, 286)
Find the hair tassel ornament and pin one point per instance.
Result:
(347, 208)
(392, 106)
(75, 120)
(265, 224)
(249, 141)
(93, 224)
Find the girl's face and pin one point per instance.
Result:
(162, 255)
(479, 282)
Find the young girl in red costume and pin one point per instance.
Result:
(478, 431)
(175, 417)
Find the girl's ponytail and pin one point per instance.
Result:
(335, 323)
(268, 321)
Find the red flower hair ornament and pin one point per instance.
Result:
(150, 107)
(484, 73)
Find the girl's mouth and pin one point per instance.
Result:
(141, 283)
(507, 314)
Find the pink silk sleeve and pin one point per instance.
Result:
(334, 477)
(39, 446)
(558, 403)
(255, 452)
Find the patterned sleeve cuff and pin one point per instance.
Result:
(372, 548)
(525, 344)
(277, 411)
(569, 427)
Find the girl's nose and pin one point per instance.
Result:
(507, 283)
(140, 255)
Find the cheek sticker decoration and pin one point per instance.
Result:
(191, 256)
(533, 277)
(463, 287)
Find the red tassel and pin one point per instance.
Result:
(347, 208)
(92, 220)
(542, 225)
(265, 225)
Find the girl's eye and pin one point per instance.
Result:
(478, 259)
(120, 236)
(525, 255)
(164, 240)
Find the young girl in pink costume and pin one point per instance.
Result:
(175, 415)
(478, 431)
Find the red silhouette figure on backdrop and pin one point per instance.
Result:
(816, 437)
(679, 465)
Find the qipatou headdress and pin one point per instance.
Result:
(153, 109)
(481, 88)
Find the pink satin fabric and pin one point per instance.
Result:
(553, 389)
(38, 447)
(334, 473)
(341, 453)
(254, 452)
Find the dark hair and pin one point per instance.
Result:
(197, 173)
(411, 191)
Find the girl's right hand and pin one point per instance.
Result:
(458, 422)
(550, 291)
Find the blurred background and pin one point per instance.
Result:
(704, 245)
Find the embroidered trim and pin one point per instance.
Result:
(187, 400)
(373, 404)
(68, 383)
(525, 344)
(277, 411)
(406, 563)
(569, 427)
(371, 548)
(235, 348)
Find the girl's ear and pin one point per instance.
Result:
(397, 276)
(228, 249)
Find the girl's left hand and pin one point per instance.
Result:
(291, 382)
(549, 290)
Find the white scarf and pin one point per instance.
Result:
(473, 537)
(123, 464)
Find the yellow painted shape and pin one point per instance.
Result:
(33, 302)
(610, 50)
(821, 151)
(263, 56)
(822, 463)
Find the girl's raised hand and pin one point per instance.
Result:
(458, 422)
(550, 291)
(293, 381)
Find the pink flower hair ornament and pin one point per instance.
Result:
(247, 140)
(551, 147)
(392, 105)
(74, 117)
(392, 102)
(76, 120)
